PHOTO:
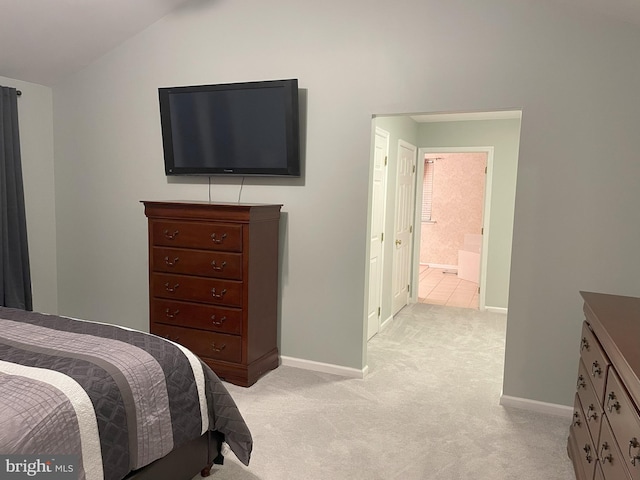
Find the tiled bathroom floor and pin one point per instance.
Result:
(440, 288)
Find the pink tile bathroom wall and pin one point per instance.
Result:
(458, 197)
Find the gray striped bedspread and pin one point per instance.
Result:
(115, 397)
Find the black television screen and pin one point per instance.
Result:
(248, 128)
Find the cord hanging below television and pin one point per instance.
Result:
(249, 128)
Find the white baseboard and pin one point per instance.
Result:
(536, 406)
(323, 367)
(441, 265)
(385, 323)
(497, 309)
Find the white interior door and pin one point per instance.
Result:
(404, 214)
(380, 155)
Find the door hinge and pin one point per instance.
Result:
(478, 289)
(485, 169)
(382, 237)
(413, 169)
(408, 288)
(410, 228)
(482, 231)
(385, 160)
(378, 311)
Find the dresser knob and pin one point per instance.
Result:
(587, 450)
(633, 443)
(218, 295)
(581, 383)
(171, 263)
(171, 289)
(217, 348)
(576, 421)
(218, 322)
(218, 268)
(169, 235)
(612, 406)
(603, 448)
(215, 239)
(584, 344)
(171, 315)
(595, 369)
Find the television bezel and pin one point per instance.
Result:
(292, 127)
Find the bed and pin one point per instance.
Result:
(124, 403)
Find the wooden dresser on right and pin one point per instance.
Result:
(604, 437)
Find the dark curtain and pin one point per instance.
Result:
(15, 279)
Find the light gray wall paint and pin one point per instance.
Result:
(35, 117)
(572, 73)
(504, 136)
(399, 128)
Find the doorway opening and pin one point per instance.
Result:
(452, 207)
(497, 135)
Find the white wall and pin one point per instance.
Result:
(35, 121)
(576, 227)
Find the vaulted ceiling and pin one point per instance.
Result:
(42, 41)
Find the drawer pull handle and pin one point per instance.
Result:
(171, 289)
(595, 369)
(218, 295)
(217, 348)
(612, 406)
(633, 443)
(169, 235)
(218, 268)
(592, 414)
(171, 315)
(587, 449)
(215, 239)
(581, 383)
(171, 263)
(218, 322)
(576, 422)
(603, 448)
(584, 344)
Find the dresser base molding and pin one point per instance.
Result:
(324, 367)
(536, 406)
(244, 375)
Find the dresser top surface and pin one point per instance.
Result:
(615, 320)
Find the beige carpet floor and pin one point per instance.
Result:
(428, 409)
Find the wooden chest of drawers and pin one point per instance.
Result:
(213, 283)
(604, 438)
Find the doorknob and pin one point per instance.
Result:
(398, 242)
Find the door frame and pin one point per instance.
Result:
(486, 213)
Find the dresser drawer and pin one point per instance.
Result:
(625, 423)
(207, 236)
(611, 459)
(196, 315)
(198, 262)
(585, 450)
(197, 289)
(595, 360)
(218, 346)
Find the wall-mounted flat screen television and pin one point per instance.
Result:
(249, 128)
